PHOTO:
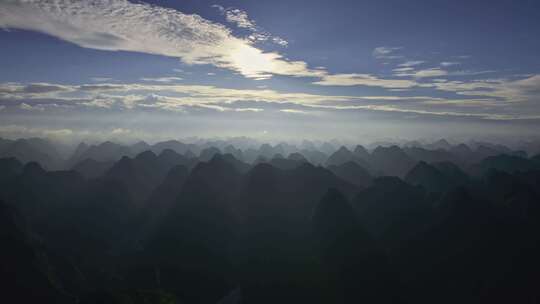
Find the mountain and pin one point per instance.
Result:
(141, 174)
(9, 168)
(208, 153)
(90, 168)
(23, 268)
(174, 145)
(392, 211)
(34, 150)
(191, 244)
(391, 161)
(352, 173)
(506, 163)
(357, 269)
(442, 144)
(437, 177)
(344, 155)
(104, 152)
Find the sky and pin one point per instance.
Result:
(354, 70)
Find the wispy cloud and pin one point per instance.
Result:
(449, 63)
(241, 19)
(27, 107)
(120, 25)
(364, 80)
(101, 79)
(294, 111)
(162, 79)
(411, 63)
(496, 99)
(386, 52)
(425, 73)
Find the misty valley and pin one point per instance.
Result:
(232, 221)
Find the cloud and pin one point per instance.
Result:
(513, 91)
(120, 25)
(162, 79)
(27, 107)
(33, 88)
(2, 108)
(411, 63)
(449, 63)
(248, 110)
(241, 19)
(23, 131)
(364, 80)
(494, 99)
(425, 73)
(294, 111)
(386, 52)
(101, 79)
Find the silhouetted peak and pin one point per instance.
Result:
(334, 216)
(209, 153)
(260, 159)
(177, 172)
(441, 144)
(107, 144)
(334, 204)
(343, 150)
(33, 168)
(297, 157)
(388, 182)
(278, 156)
(261, 175)
(168, 153)
(81, 147)
(307, 167)
(458, 200)
(391, 150)
(265, 147)
(10, 166)
(189, 154)
(423, 168)
(141, 144)
(262, 169)
(146, 156)
(360, 151)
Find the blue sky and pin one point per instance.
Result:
(275, 69)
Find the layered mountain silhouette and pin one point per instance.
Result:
(244, 222)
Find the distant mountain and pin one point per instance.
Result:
(392, 211)
(208, 153)
(438, 177)
(391, 161)
(441, 144)
(395, 225)
(104, 152)
(344, 155)
(90, 168)
(142, 174)
(506, 163)
(33, 149)
(353, 173)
